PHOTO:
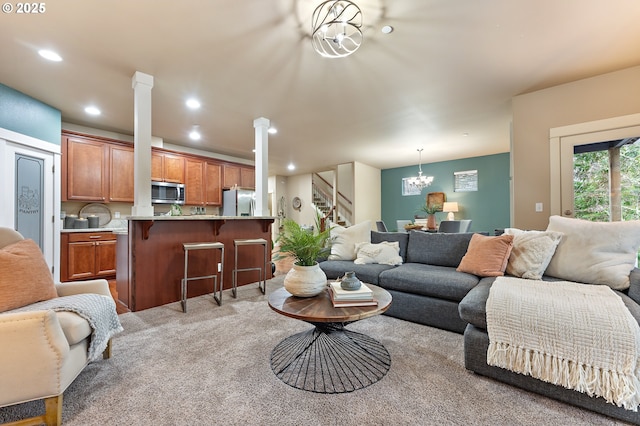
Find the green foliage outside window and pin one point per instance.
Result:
(591, 184)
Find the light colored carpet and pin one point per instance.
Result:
(211, 366)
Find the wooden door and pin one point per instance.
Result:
(247, 177)
(121, 173)
(157, 166)
(213, 184)
(86, 170)
(81, 260)
(173, 168)
(231, 175)
(194, 184)
(105, 255)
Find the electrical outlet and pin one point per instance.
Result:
(538, 207)
(219, 266)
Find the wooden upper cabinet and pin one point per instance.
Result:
(247, 177)
(194, 182)
(173, 168)
(157, 166)
(242, 176)
(167, 167)
(121, 173)
(213, 184)
(231, 176)
(86, 170)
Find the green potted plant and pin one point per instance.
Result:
(431, 210)
(305, 279)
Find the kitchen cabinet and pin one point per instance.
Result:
(213, 184)
(247, 177)
(121, 162)
(194, 182)
(87, 255)
(86, 170)
(167, 167)
(235, 175)
(203, 186)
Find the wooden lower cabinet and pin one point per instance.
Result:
(87, 255)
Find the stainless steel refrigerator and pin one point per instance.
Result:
(238, 202)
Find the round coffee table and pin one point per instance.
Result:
(329, 358)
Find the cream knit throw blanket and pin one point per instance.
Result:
(575, 335)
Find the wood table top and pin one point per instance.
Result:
(320, 309)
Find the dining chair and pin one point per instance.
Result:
(401, 223)
(449, 226)
(381, 226)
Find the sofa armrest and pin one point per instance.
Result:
(32, 350)
(82, 287)
(634, 285)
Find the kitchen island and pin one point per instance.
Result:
(150, 257)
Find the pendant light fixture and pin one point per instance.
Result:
(336, 28)
(420, 181)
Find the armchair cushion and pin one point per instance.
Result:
(25, 277)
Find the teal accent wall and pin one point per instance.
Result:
(488, 207)
(23, 114)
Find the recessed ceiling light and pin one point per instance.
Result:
(195, 135)
(91, 110)
(272, 130)
(50, 55)
(193, 103)
(291, 166)
(465, 134)
(387, 29)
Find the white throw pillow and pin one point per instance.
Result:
(531, 253)
(385, 253)
(344, 242)
(595, 252)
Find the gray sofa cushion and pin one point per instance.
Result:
(472, 308)
(401, 237)
(366, 273)
(437, 249)
(428, 280)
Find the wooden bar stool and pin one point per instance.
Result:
(202, 246)
(262, 284)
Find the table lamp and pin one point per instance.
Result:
(450, 207)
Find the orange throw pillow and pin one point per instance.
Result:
(487, 256)
(25, 277)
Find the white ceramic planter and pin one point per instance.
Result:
(305, 281)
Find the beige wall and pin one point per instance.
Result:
(605, 96)
(367, 199)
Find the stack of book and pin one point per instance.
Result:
(347, 298)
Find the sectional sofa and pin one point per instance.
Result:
(428, 289)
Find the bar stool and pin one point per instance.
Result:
(263, 270)
(202, 246)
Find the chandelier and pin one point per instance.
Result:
(335, 28)
(420, 181)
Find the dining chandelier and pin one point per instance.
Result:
(420, 181)
(335, 28)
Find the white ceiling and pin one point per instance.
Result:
(450, 68)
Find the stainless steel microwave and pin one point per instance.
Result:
(167, 193)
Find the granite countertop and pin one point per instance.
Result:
(115, 225)
(198, 217)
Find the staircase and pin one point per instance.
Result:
(322, 191)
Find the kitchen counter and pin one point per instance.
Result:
(115, 230)
(150, 256)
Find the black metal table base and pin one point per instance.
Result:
(330, 359)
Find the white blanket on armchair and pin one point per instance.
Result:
(578, 336)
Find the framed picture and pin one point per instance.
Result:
(408, 189)
(436, 198)
(465, 181)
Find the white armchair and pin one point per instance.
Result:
(42, 352)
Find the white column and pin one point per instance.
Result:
(262, 166)
(142, 85)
